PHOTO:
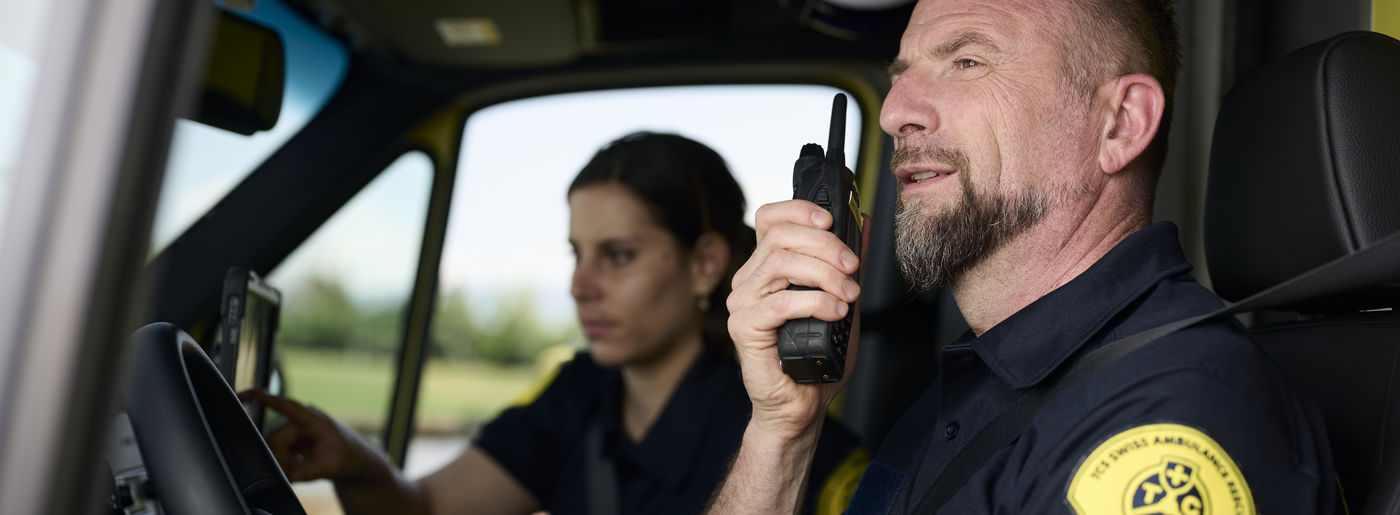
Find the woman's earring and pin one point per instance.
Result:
(703, 302)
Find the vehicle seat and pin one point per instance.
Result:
(1305, 170)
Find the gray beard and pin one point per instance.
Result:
(936, 249)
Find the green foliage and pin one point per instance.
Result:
(320, 315)
(510, 334)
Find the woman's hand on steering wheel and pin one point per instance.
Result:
(312, 445)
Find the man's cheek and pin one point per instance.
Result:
(1008, 99)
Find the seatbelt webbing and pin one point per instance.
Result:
(1377, 264)
(602, 475)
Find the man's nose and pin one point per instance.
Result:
(908, 110)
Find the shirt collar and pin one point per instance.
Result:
(1030, 344)
(670, 448)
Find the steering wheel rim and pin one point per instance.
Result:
(201, 451)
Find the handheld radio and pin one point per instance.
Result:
(814, 350)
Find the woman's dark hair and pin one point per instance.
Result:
(689, 191)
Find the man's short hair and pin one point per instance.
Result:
(1120, 37)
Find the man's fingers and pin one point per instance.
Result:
(784, 267)
(817, 243)
(756, 324)
(798, 212)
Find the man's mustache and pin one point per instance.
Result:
(917, 154)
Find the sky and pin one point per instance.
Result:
(509, 223)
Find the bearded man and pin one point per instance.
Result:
(1029, 136)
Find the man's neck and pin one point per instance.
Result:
(1064, 244)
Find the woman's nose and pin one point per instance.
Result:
(584, 286)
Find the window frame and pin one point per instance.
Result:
(866, 85)
(438, 134)
(90, 169)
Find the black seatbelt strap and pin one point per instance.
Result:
(1377, 264)
(602, 475)
(1007, 426)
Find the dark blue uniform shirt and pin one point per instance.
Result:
(1200, 421)
(677, 465)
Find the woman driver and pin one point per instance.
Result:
(648, 418)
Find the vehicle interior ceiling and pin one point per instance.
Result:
(409, 85)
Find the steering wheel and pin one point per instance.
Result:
(201, 451)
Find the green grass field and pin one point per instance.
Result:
(355, 389)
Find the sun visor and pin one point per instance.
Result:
(245, 77)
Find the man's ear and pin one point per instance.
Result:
(708, 261)
(1136, 103)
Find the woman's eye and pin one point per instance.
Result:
(965, 63)
(621, 257)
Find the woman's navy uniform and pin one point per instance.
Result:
(676, 467)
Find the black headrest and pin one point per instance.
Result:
(1305, 168)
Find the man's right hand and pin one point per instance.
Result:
(313, 445)
(794, 247)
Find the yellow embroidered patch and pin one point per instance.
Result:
(1160, 468)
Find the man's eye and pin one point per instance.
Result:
(965, 63)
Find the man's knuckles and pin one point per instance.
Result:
(764, 216)
(779, 260)
(749, 331)
(778, 305)
(795, 304)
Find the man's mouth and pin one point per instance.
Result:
(923, 176)
(922, 167)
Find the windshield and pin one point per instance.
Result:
(206, 162)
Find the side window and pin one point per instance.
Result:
(344, 295)
(504, 317)
(21, 34)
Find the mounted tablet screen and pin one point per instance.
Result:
(249, 325)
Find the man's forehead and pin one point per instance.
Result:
(925, 8)
(1002, 22)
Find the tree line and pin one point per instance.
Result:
(321, 315)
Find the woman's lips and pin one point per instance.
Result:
(596, 329)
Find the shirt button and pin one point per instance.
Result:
(951, 431)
